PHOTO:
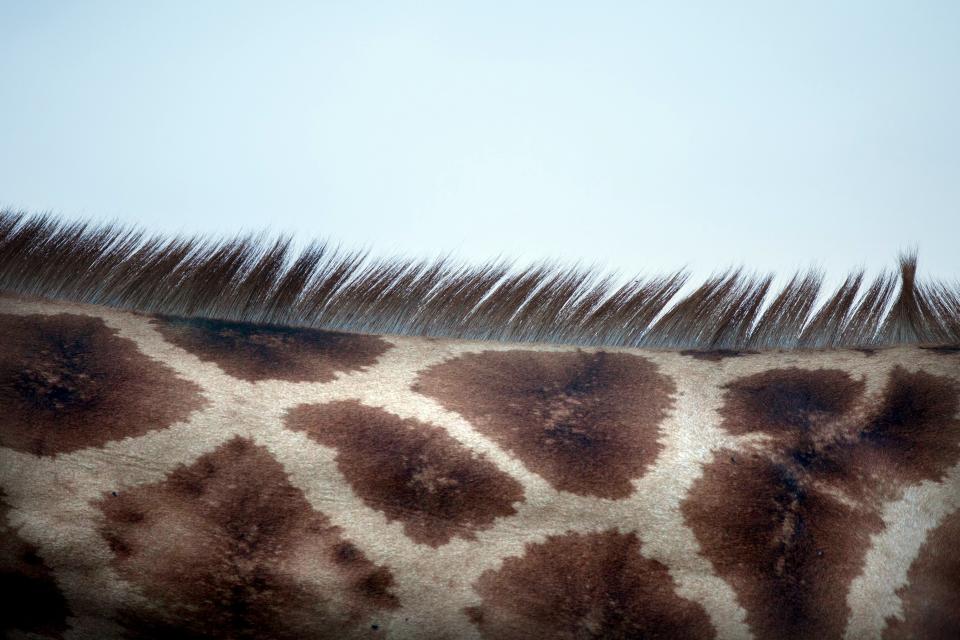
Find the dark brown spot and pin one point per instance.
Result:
(931, 599)
(411, 471)
(238, 558)
(788, 524)
(68, 382)
(587, 422)
(913, 433)
(594, 585)
(788, 401)
(867, 351)
(788, 551)
(346, 552)
(31, 600)
(255, 352)
(715, 355)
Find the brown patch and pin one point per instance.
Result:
(867, 351)
(68, 382)
(913, 433)
(788, 551)
(788, 402)
(593, 585)
(715, 355)
(227, 548)
(411, 471)
(586, 422)
(255, 352)
(931, 599)
(31, 600)
(788, 524)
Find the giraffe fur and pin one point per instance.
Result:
(188, 477)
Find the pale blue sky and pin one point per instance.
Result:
(635, 136)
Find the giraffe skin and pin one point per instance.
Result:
(171, 478)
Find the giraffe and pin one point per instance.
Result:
(166, 475)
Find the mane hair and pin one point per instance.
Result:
(255, 280)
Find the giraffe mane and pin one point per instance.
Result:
(252, 279)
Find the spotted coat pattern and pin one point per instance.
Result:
(168, 478)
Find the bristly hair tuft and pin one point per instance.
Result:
(251, 279)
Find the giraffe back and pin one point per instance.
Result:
(170, 477)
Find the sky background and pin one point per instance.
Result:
(637, 137)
